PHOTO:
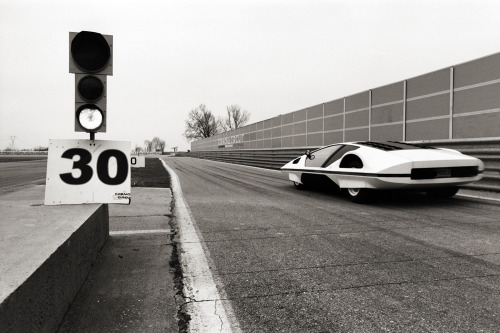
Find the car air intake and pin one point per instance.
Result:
(453, 172)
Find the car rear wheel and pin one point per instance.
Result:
(444, 192)
(358, 195)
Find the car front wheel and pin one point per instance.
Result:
(299, 186)
(359, 195)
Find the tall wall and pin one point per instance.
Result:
(458, 102)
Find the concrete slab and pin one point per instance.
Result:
(131, 287)
(146, 201)
(46, 253)
(128, 290)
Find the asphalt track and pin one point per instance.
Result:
(312, 261)
(15, 175)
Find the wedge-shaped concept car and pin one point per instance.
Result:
(359, 168)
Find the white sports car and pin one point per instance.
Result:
(361, 167)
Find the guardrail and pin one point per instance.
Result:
(487, 150)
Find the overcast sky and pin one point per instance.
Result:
(270, 57)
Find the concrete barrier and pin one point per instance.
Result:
(46, 252)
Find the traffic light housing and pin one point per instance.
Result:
(91, 60)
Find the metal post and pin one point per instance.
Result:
(370, 115)
(404, 110)
(452, 74)
(343, 125)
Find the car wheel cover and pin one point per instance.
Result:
(353, 191)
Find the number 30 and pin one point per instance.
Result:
(102, 167)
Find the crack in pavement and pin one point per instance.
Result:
(301, 292)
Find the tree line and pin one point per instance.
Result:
(202, 123)
(151, 146)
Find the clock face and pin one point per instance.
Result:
(90, 119)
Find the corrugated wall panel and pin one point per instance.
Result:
(334, 123)
(276, 121)
(477, 71)
(276, 143)
(300, 128)
(357, 119)
(388, 94)
(428, 84)
(387, 114)
(479, 125)
(436, 129)
(300, 115)
(333, 137)
(358, 101)
(477, 99)
(428, 107)
(387, 132)
(287, 141)
(315, 111)
(287, 118)
(315, 140)
(315, 125)
(300, 140)
(334, 107)
(361, 134)
(287, 130)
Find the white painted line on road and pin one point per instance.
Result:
(134, 232)
(209, 313)
(478, 197)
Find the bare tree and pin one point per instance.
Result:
(201, 123)
(158, 144)
(148, 146)
(137, 149)
(236, 117)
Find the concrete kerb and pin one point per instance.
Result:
(46, 254)
(209, 312)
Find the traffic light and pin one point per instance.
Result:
(91, 59)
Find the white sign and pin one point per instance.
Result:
(230, 140)
(88, 171)
(137, 161)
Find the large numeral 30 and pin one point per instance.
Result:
(102, 167)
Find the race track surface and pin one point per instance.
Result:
(312, 261)
(15, 175)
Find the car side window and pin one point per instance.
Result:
(321, 155)
(338, 154)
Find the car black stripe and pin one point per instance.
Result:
(330, 172)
